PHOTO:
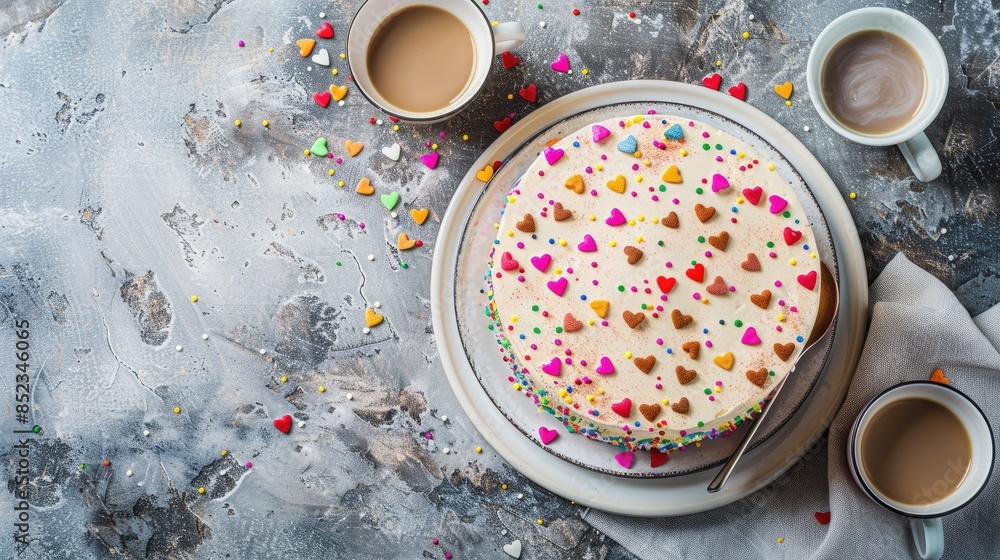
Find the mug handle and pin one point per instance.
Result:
(928, 535)
(508, 36)
(922, 157)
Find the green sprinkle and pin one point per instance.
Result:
(786, 214)
(558, 329)
(643, 306)
(621, 288)
(770, 244)
(491, 326)
(36, 428)
(340, 263)
(701, 239)
(660, 243)
(534, 308)
(708, 391)
(701, 424)
(706, 147)
(771, 373)
(404, 265)
(539, 6)
(718, 146)
(663, 188)
(536, 330)
(737, 323)
(694, 263)
(699, 190)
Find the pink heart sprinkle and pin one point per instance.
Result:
(542, 262)
(719, 183)
(553, 368)
(507, 262)
(600, 133)
(777, 203)
(625, 459)
(605, 367)
(558, 286)
(623, 408)
(561, 64)
(616, 219)
(552, 155)
(750, 337)
(430, 160)
(753, 195)
(547, 435)
(588, 245)
(808, 280)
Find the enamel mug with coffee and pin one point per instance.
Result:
(909, 136)
(486, 40)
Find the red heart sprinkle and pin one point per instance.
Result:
(791, 236)
(823, 517)
(528, 93)
(284, 423)
(753, 195)
(322, 98)
(325, 31)
(623, 408)
(665, 284)
(808, 281)
(509, 60)
(697, 273)
(739, 91)
(496, 165)
(657, 458)
(714, 81)
(502, 126)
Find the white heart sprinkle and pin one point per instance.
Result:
(322, 58)
(513, 549)
(391, 152)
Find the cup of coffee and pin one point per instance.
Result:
(424, 60)
(879, 77)
(923, 450)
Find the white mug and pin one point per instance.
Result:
(490, 40)
(925, 519)
(910, 138)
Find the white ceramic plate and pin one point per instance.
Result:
(578, 480)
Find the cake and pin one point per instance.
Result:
(652, 280)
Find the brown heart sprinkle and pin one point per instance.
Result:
(704, 213)
(671, 221)
(682, 406)
(633, 253)
(685, 376)
(649, 411)
(752, 264)
(784, 351)
(571, 324)
(719, 241)
(527, 225)
(646, 364)
(633, 319)
(692, 348)
(757, 376)
(560, 213)
(761, 300)
(717, 287)
(680, 320)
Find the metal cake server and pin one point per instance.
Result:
(829, 291)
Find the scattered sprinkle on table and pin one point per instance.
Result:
(204, 336)
(237, 123)
(349, 396)
(201, 490)
(179, 348)
(177, 410)
(266, 123)
(322, 388)
(479, 449)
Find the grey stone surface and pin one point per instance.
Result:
(125, 189)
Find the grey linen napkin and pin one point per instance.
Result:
(917, 326)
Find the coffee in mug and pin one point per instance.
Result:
(874, 82)
(422, 59)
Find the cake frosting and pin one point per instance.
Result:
(652, 280)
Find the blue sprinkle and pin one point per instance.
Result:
(628, 145)
(806, 247)
(796, 220)
(704, 331)
(675, 132)
(670, 350)
(552, 241)
(576, 144)
(583, 297)
(496, 241)
(637, 424)
(798, 338)
(732, 152)
(534, 236)
(569, 389)
(735, 209)
(596, 413)
(521, 336)
(664, 121)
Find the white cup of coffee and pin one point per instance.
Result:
(923, 450)
(879, 77)
(425, 60)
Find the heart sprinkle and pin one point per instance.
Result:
(791, 236)
(682, 406)
(761, 300)
(693, 348)
(588, 245)
(391, 152)
(371, 318)
(305, 46)
(646, 364)
(552, 155)
(547, 435)
(507, 262)
(628, 145)
(419, 215)
(623, 408)
(599, 133)
(617, 184)
(430, 160)
(704, 213)
(725, 361)
(777, 203)
(752, 264)
(284, 424)
(338, 92)
(322, 98)
(325, 31)
(784, 351)
(322, 58)
(605, 367)
(541, 262)
(625, 459)
(633, 320)
(502, 126)
(318, 148)
(675, 132)
(739, 91)
(696, 273)
(529, 93)
(527, 225)
(571, 324)
(685, 376)
(808, 280)
(671, 221)
(720, 241)
(600, 306)
(750, 337)
(823, 517)
(404, 243)
(657, 458)
(753, 195)
(679, 319)
(558, 286)
(666, 284)
(633, 254)
(757, 376)
(485, 174)
(784, 90)
(390, 200)
(672, 175)
(561, 64)
(559, 213)
(509, 60)
(719, 183)
(649, 411)
(353, 148)
(717, 287)
(616, 218)
(364, 187)
(938, 377)
(712, 82)
(553, 368)
(575, 184)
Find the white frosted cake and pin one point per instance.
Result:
(651, 281)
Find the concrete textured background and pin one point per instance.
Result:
(125, 189)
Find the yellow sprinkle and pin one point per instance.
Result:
(270, 49)
(718, 63)
(340, 183)
(503, 486)
(593, 217)
(664, 402)
(788, 103)
(322, 388)
(792, 262)
(465, 137)
(590, 321)
(517, 386)
(739, 200)
(510, 96)
(638, 178)
(770, 167)
(395, 127)
(640, 239)
(591, 398)
(812, 255)
(628, 124)
(628, 355)
(704, 300)
(781, 317)
(646, 162)
(494, 23)
(655, 220)
(637, 153)
(718, 389)
(562, 243)
(511, 198)
(177, 410)
(598, 167)
(557, 270)
(613, 243)
(306, 152)
(781, 539)
(641, 217)
(330, 172)
(335, 71)
(854, 195)
(540, 522)
(479, 449)
(740, 155)
(266, 123)
(684, 152)
(284, 379)
(496, 225)
(238, 122)
(201, 490)
(585, 71)
(434, 146)
(637, 118)
(342, 55)
(513, 318)
(224, 453)
(746, 34)
(194, 298)
(510, 233)
(600, 390)
(631, 222)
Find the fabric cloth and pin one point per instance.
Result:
(917, 326)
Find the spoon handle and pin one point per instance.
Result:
(720, 479)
